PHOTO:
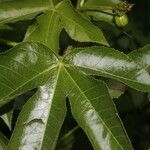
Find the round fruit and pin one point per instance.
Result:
(121, 21)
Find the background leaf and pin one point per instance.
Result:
(79, 28)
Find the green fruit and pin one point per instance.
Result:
(121, 21)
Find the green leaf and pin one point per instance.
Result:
(107, 62)
(142, 57)
(17, 10)
(95, 112)
(46, 30)
(41, 119)
(99, 5)
(79, 28)
(3, 142)
(24, 67)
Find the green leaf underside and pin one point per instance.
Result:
(46, 30)
(95, 112)
(99, 5)
(24, 67)
(107, 62)
(20, 10)
(7, 118)
(79, 28)
(42, 116)
(142, 57)
(3, 142)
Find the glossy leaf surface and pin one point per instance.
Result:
(107, 62)
(46, 30)
(79, 28)
(24, 67)
(19, 10)
(95, 112)
(41, 119)
(142, 57)
(3, 142)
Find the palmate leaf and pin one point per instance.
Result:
(142, 57)
(3, 142)
(17, 10)
(55, 77)
(24, 67)
(95, 112)
(40, 121)
(42, 116)
(41, 66)
(46, 30)
(107, 62)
